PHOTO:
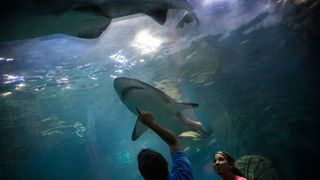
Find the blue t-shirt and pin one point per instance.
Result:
(181, 169)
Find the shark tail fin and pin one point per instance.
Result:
(139, 129)
(175, 107)
(159, 15)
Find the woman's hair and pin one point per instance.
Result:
(230, 159)
(152, 165)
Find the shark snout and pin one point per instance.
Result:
(124, 86)
(120, 83)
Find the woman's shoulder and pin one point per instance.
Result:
(240, 178)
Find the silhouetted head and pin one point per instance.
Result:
(152, 165)
(223, 163)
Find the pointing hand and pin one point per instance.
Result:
(145, 117)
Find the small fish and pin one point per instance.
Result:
(190, 134)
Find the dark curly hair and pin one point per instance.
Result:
(152, 165)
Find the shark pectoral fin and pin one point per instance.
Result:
(175, 107)
(159, 15)
(139, 129)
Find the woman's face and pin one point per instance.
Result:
(220, 164)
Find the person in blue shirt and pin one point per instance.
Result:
(153, 166)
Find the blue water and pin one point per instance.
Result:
(252, 74)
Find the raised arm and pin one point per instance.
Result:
(165, 134)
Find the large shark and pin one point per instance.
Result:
(136, 94)
(80, 18)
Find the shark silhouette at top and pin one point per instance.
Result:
(80, 18)
(136, 94)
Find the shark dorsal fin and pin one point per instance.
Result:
(139, 129)
(159, 15)
(175, 107)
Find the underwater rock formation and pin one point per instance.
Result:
(256, 167)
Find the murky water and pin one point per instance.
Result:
(250, 72)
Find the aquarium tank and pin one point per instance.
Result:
(251, 66)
